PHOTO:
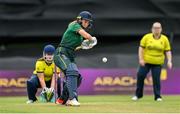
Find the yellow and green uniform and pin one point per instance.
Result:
(46, 68)
(154, 48)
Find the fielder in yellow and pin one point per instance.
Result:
(152, 51)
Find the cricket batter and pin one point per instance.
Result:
(65, 53)
(152, 51)
(43, 75)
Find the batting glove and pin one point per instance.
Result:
(86, 44)
(93, 42)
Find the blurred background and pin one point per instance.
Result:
(26, 26)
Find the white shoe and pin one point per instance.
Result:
(72, 102)
(135, 98)
(29, 102)
(158, 99)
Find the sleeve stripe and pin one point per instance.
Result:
(40, 71)
(167, 50)
(142, 46)
(77, 31)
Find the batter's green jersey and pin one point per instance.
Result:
(71, 38)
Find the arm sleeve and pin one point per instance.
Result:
(39, 67)
(143, 42)
(167, 45)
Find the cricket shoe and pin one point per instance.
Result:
(159, 99)
(72, 102)
(30, 102)
(59, 101)
(135, 98)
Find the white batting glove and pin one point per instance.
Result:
(93, 42)
(86, 44)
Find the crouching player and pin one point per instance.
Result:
(43, 77)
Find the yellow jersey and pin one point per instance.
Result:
(154, 48)
(47, 69)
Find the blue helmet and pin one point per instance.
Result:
(85, 15)
(49, 49)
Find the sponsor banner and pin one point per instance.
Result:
(96, 81)
(13, 82)
(123, 81)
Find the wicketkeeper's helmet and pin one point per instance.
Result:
(49, 49)
(48, 53)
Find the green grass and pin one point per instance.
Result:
(98, 104)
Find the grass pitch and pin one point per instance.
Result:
(94, 104)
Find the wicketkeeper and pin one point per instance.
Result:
(43, 77)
